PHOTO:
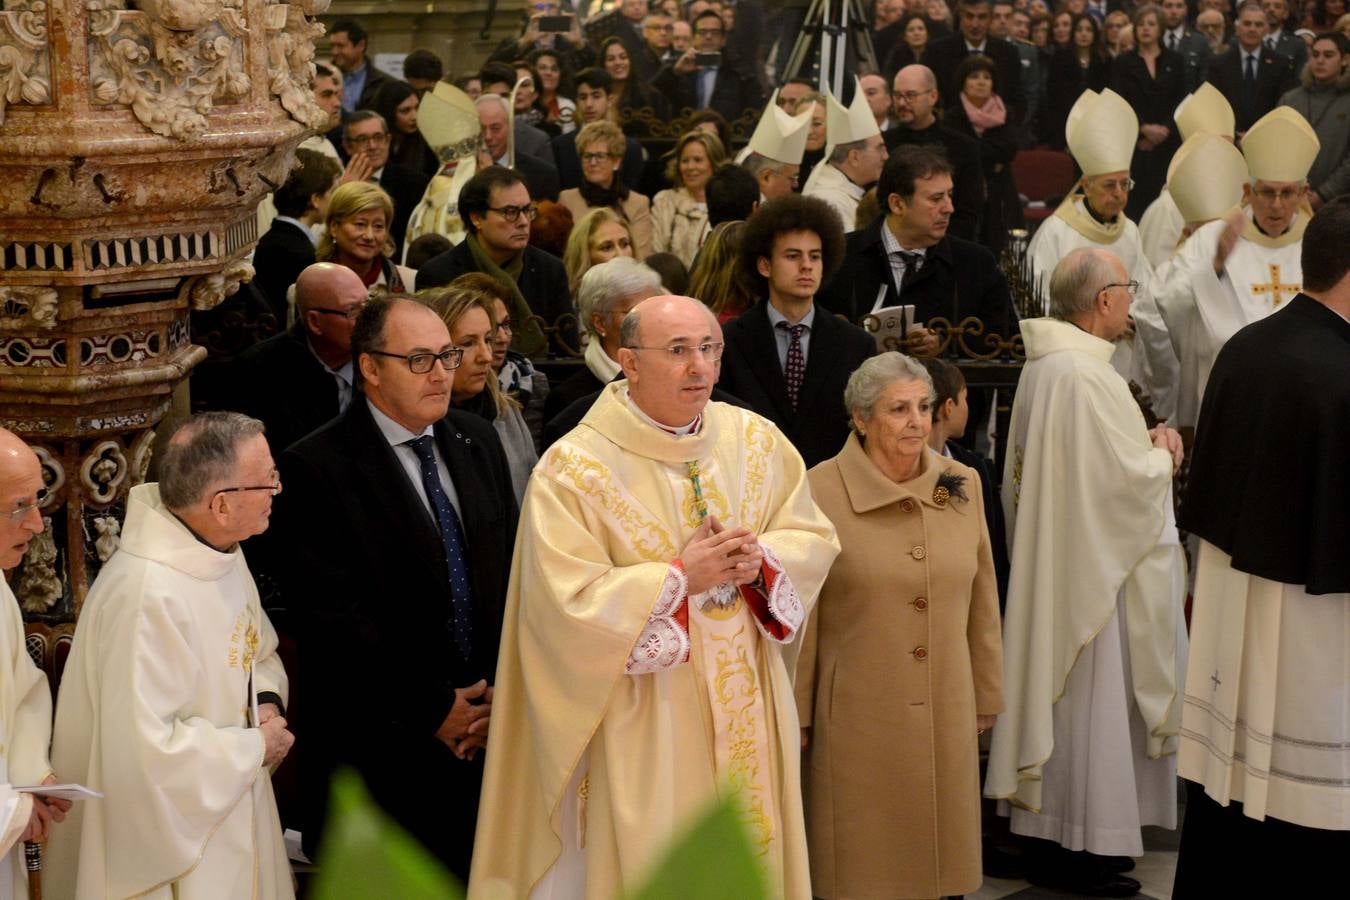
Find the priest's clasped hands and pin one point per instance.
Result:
(716, 555)
(277, 739)
(465, 730)
(1168, 439)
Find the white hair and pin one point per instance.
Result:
(869, 380)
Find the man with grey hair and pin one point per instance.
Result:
(1094, 636)
(606, 294)
(669, 552)
(173, 699)
(494, 116)
(365, 140)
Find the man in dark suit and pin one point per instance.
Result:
(365, 137)
(500, 79)
(731, 87)
(295, 381)
(1279, 36)
(907, 256)
(972, 36)
(914, 95)
(361, 81)
(594, 89)
(1251, 75)
(397, 528)
(496, 208)
(1193, 46)
(288, 246)
(786, 357)
(494, 117)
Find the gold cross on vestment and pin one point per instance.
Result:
(1275, 289)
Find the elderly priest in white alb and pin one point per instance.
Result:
(1265, 738)
(171, 702)
(1244, 267)
(25, 699)
(1094, 638)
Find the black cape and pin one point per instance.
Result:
(1269, 482)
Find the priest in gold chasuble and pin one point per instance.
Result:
(668, 555)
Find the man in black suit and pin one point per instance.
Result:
(907, 256)
(495, 118)
(731, 87)
(500, 79)
(365, 137)
(1280, 38)
(786, 357)
(594, 90)
(914, 95)
(497, 212)
(288, 246)
(361, 81)
(1193, 46)
(295, 381)
(397, 528)
(972, 36)
(1251, 75)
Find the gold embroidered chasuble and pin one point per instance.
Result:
(615, 723)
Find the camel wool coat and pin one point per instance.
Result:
(904, 648)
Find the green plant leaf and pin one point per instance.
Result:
(366, 855)
(713, 861)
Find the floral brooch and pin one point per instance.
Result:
(950, 485)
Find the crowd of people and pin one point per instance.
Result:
(741, 547)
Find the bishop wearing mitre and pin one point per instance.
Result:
(449, 122)
(774, 154)
(668, 556)
(1094, 637)
(171, 703)
(1101, 133)
(1233, 272)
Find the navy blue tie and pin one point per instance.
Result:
(452, 537)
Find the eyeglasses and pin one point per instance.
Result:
(506, 325)
(597, 157)
(361, 140)
(1131, 287)
(711, 351)
(512, 213)
(1112, 186)
(909, 96)
(421, 363)
(1286, 195)
(348, 314)
(18, 513)
(787, 175)
(709, 32)
(274, 488)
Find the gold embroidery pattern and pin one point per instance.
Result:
(736, 690)
(250, 645)
(1018, 452)
(237, 638)
(1275, 288)
(759, 446)
(592, 480)
(713, 500)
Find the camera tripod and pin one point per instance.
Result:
(832, 21)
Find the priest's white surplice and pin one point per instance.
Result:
(154, 711)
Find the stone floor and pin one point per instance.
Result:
(1154, 872)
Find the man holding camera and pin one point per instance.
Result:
(705, 77)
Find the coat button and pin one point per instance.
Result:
(921, 653)
(907, 505)
(920, 603)
(918, 552)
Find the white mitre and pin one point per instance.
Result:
(1206, 177)
(1281, 146)
(1206, 110)
(448, 121)
(779, 136)
(1101, 132)
(846, 125)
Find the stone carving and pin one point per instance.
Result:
(53, 476)
(170, 61)
(109, 536)
(290, 58)
(103, 471)
(39, 586)
(210, 291)
(27, 307)
(25, 60)
(142, 449)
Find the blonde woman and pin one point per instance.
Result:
(601, 147)
(357, 236)
(598, 237)
(469, 312)
(680, 214)
(718, 278)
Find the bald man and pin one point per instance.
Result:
(26, 701)
(914, 96)
(669, 551)
(299, 379)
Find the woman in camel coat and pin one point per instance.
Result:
(902, 663)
